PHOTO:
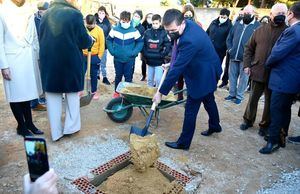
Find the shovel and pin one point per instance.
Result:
(143, 132)
(86, 100)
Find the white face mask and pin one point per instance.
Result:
(125, 25)
(222, 20)
(149, 20)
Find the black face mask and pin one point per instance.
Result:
(279, 19)
(248, 18)
(90, 29)
(174, 35)
(189, 18)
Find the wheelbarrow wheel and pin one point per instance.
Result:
(119, 116)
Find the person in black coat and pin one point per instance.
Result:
(156, 47)
(147, 23)
(218, 31)
(62, 38)
(104, 23)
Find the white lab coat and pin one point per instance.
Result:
(20, 55)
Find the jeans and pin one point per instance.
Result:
(238, 79)
(35, 102)
(154, 75)
(95, 61)
(102, 68)
(123, 69)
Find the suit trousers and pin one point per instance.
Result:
(190, 116)
(257, 89)
(72, 117)
(280, 109)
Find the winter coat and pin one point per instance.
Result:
(63, 36)
(284, 62)
(238, 37)
(259, 48)
(146, 25)
(124, 44)
(156, 46)
(105, 25)
(197, 61)
(141, 29)
(20, 55)
(218, 34)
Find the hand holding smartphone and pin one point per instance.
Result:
(37, 158)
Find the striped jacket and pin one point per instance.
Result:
(124, 44)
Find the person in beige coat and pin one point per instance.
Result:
(19, 63)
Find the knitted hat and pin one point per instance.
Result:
(139, 12)
(225, 11)
(43, 5)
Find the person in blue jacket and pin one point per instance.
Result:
(238, 36)
(198, 62)
(124, 43)
(284, 62)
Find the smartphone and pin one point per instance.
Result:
(37, 158)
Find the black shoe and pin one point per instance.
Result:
(105, 81)
(269, 148)
(143, 78)
(245, 126)
(35, 130)
(262, 132)
(98, 77)
(175, 145)
(294, 140)
(282, 142)
(210, 131)
(222, 85)
(23, 131)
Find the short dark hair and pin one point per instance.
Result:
(225, 11)
(125, 15)
(296, 10)
(90, 19)
(156, 17)
(102, 8)
(172, 15)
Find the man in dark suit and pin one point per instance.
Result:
(284, 63)
(197, 60)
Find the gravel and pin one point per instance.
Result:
(83, 156)
(289, 183)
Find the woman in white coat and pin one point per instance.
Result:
(18, 63)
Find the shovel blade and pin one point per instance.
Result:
(138, 131)
(86, 100)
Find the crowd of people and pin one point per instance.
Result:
(53, 50)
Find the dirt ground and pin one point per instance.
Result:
(229, 161)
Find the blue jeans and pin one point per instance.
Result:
(102, 68)
(190, 117)
(154, 75)
(123, 69)
(280, 111)
(95, 61)
(35, 102)
(238, 79)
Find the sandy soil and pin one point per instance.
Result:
(229, 162)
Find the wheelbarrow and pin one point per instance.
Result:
(133, 95)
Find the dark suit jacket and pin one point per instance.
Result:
(284, 62)
(197, 61)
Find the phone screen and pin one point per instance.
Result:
(36, 153)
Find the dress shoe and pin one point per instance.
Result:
(23, 131)
(269, 148)
(210, 131)
(40, 107)
(245, 126)
(175, 145)
(105, 81)
(34, 129)
(262, 132)
(294, 140)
